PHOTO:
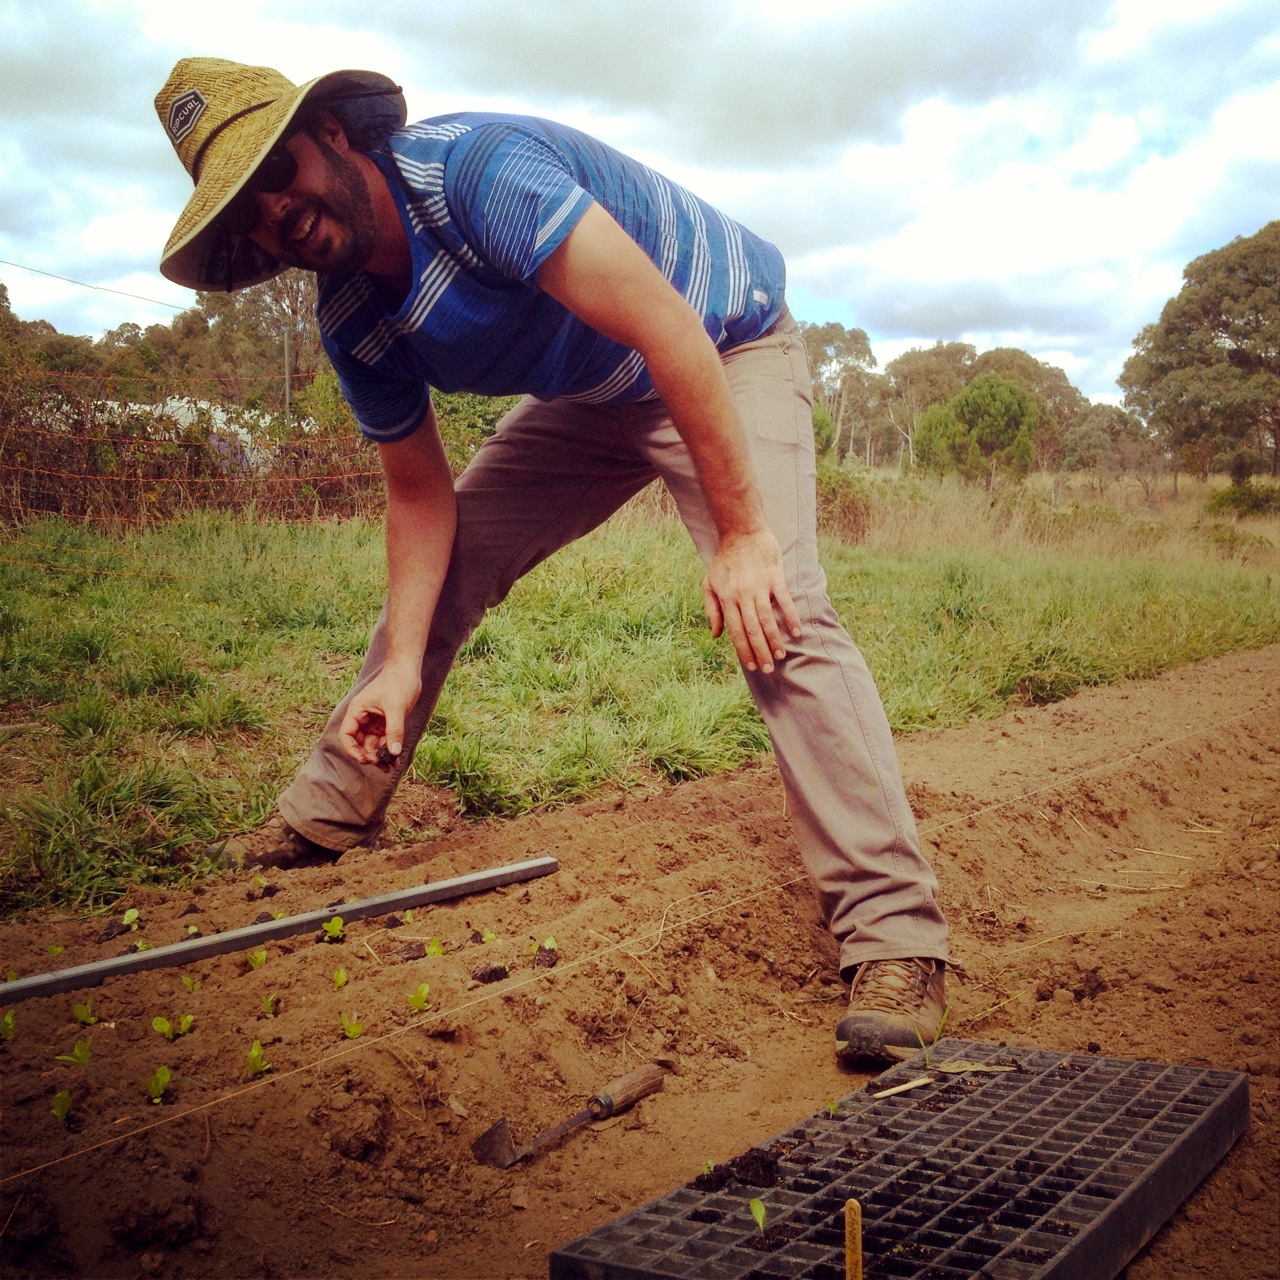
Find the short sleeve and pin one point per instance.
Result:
(386, 407)
(512, 197)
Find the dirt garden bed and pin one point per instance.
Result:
(1110, 865)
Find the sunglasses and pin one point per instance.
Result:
(276, 172)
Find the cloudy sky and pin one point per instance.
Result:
(1031, 173)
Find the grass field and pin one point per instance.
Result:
(158, 687)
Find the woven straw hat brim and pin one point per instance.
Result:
(202, 255)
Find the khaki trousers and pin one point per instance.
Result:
(555, 470)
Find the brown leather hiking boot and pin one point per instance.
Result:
(275, 844)
(896, 1007)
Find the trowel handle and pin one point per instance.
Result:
(619, 1094)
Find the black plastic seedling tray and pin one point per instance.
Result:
(1058, 1167)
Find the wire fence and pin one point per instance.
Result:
(70, 448)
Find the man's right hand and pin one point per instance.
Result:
(375, 718)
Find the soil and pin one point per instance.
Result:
(1110, 865)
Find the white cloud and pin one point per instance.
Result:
(1008, 172)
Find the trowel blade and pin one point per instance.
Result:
(496, 1147)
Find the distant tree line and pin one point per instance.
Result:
(240, 383)
(1202, 390)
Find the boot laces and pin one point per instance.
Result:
(887, 985)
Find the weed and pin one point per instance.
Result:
(332, 929)
(759, 1213)
(351, 1028)
(83, 1013)
(158, 1083)
(80, 1055)
(258, 1065)
(90, 716)
(937, 1035)
(339, 979)
(256, 959)
(62, 1105)
(418, 1000)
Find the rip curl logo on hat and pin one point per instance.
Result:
(184, 113)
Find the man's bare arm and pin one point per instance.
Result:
(421, 520)
(602, 276)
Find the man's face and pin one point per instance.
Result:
(323, 220)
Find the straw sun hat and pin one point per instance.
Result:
(223, 118)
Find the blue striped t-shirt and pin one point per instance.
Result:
(486, 199)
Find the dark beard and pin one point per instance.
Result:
(347, 205)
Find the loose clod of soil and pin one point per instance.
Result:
(1110, 865)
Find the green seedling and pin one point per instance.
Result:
(169, 1031)
(708, 1165)
(79, 1056)
(408, 916)
(269, 1005)
(193, 931)
(130, 919)
(158, 1083)
(83, 1013)
(351, 1028)
(142, 945)
(11, 975)
(56, 949)
(258, 1065)
(259, 882)
(339, 979)
(832, 1106)
(62, 1105)
(435, 947)
(332, 929)
(191, 984)
(759, 1213)
(488, 936)
(256, 959)
(6, 1025)
(419, 998)
(279, 915)
(548, 945)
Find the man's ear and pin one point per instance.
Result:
(328, 128)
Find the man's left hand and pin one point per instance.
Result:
(745, 593)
